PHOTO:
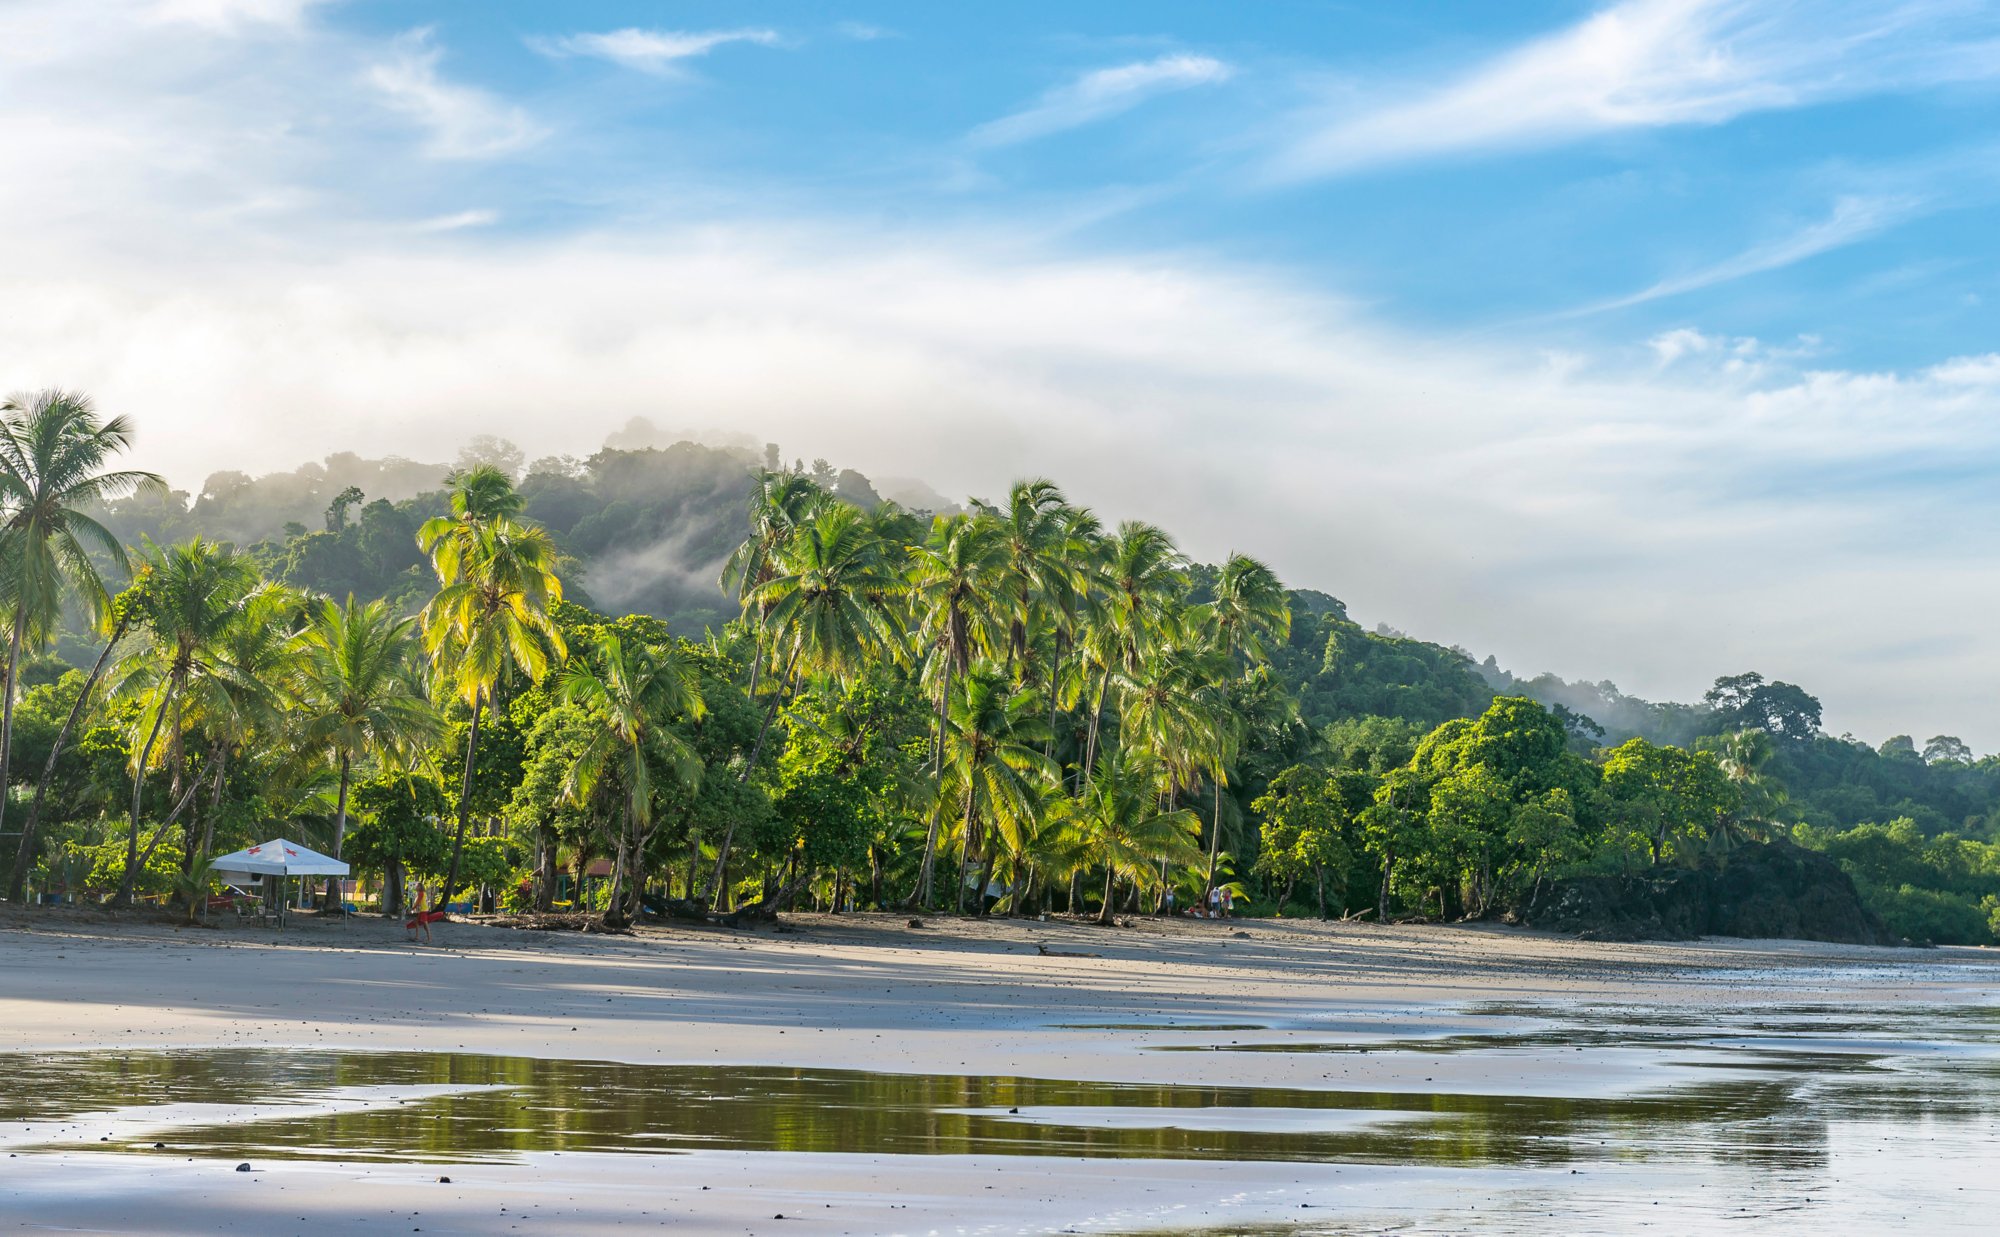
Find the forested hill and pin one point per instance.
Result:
(647, 528)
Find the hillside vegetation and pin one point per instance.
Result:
(885, 704)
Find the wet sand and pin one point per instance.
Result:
(866, 992)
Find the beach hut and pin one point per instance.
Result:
(277, 861)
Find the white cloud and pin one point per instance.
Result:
(459, 220)
(220, 255)
(651, 51)
(1852, 219)
(1098, 94)
(463, 122)
(1657, 63)
(231, 15)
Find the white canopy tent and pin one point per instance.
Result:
(279, 859)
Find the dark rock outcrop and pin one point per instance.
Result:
(1774, 890)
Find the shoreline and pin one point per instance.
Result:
(864, 992)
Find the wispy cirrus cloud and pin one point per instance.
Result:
(1098, 94)
(1658, 63)
(1853, 219)
(650, 51)
(464, 122)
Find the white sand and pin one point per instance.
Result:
(852, 992)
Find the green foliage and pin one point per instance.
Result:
(100, 868)
(1943, 890)
(399, 825)
(1311, 830)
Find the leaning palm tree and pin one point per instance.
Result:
(1118, 815)
(124, 608)
(194, 595)
(358, 695)
(634, 693)
(992, 767)
(53, 452)
(491, 614)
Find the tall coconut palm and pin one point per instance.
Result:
(831, 610)
(246, 706)
(635, 692)
(1141, 581)
(780, 501)
(53, 454)
(358, 695)
(195, 593)
(1250, 609)
(1118, 816)
(952, 578)
(952, 588)
(992, 769)
(491, 615)
(1035, 534)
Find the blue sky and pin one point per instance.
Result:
(1648, 340)
(1834, 182)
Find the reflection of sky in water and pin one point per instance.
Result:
(1778, 1114)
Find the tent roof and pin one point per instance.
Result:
(279, 858)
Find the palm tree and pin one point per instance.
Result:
(124, 608)
(194, 594)
(53, 451)
(1035, 534)
(1250, 608)
(635, 692)
(829, 607)
(1744, 755)
(1141, 580)
(780, 501)
(491, 614)
(991, 770)
(1118, 815)
(358, 695)
(952, 577)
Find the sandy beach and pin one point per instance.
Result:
(856, 993)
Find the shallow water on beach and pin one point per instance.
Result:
(1776, 1103)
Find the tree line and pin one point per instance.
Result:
(1009, 708)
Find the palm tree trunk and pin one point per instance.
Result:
(965, 849)
(17, 881)
(214, 799)
(1214, 844)
(1096, 723)
(7, 705)
(986, 878)
(464, 806)
(944, 707)
(1110, 892)
(749, 766)
(131, 873)
(339, 836)
(921, 895)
